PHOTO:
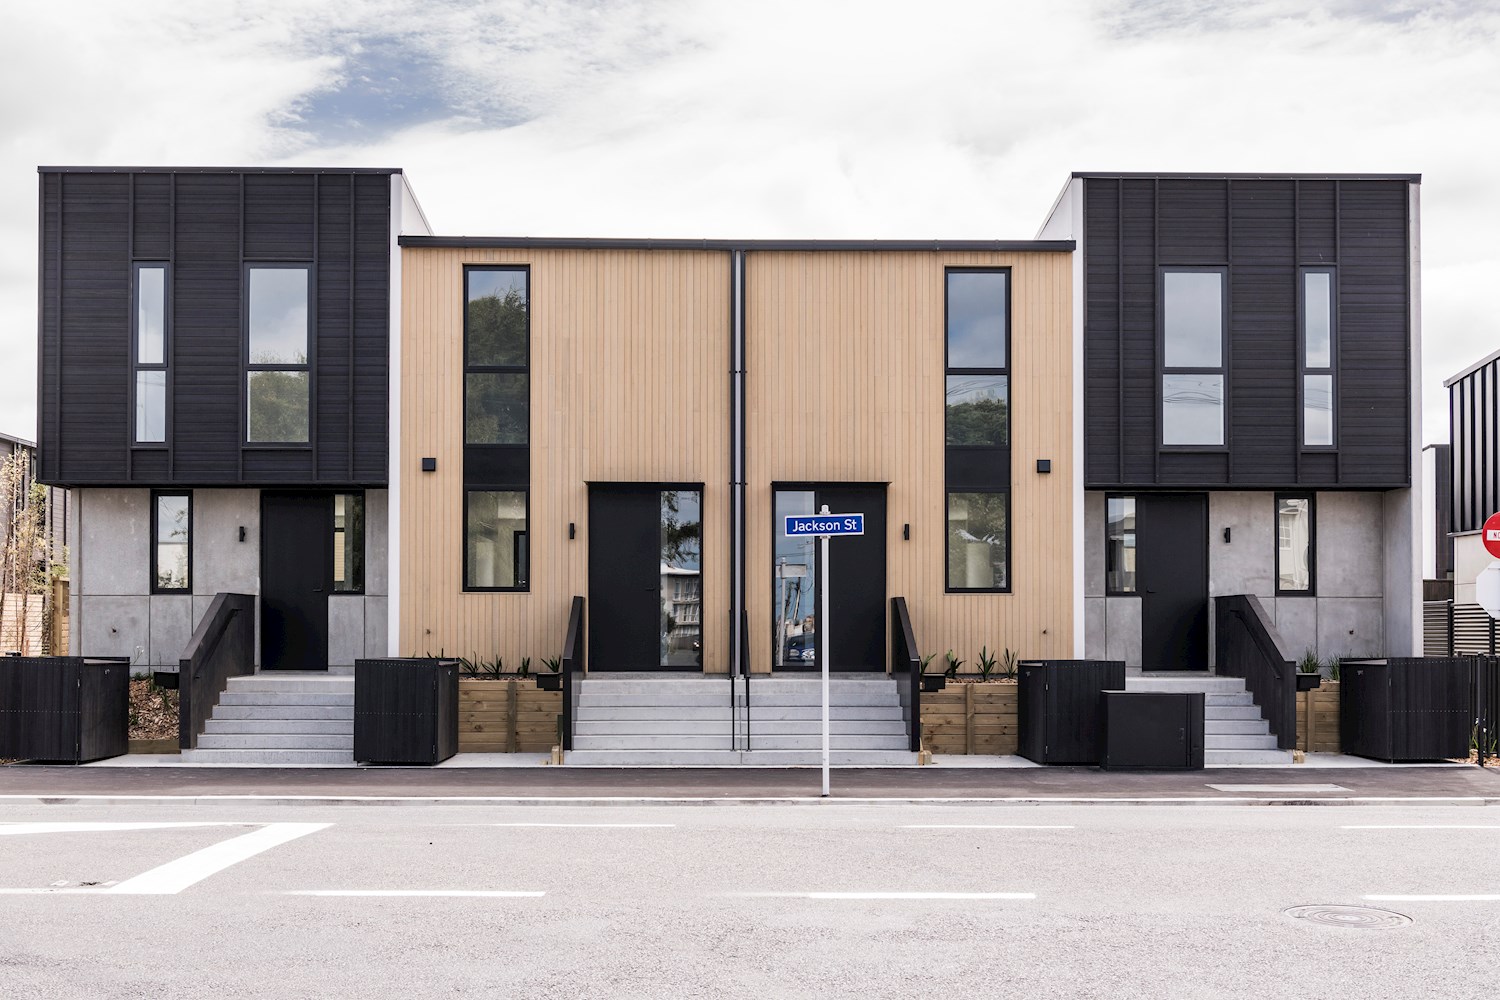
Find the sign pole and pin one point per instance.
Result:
(823, 644)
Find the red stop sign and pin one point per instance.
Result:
(1491, 535)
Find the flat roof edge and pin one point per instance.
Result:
(1482, 363)
(1211, 175)
(585, 243)
(45, 169)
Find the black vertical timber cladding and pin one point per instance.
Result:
(1262, 229)
(1474, 417)
(95, 223)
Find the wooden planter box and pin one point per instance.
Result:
(64, 708)
(506, 715)
(968, 718)
(405, 710)
(1318, 719)
(1062, 713)
(1406, 708)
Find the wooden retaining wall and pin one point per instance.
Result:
(1318, 719)
(971, 718)
(506, 716)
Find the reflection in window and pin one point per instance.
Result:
(794, 640)
(977, 548)
(349, 543)
(977, 319)
(1119, 545)
(681, 592)
(1193, 317)
(1317, 410)
(150, 354)
(276, 405)
(495, 540)
(277, 391)
(1192, 409)
(1317, 318)
(496, 408)
(150, 406)
(497, 317)
(172, 528)
(978, 412)
(1294, 544)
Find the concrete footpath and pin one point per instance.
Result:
(1456, 784)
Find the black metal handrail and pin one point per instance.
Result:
(745, 669)
(573, 667)
(1248, 646)
(223, 646)
(906, 657)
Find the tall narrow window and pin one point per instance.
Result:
(278, 375)
(171, 542)
(150, 353)
(977, 429)
(1119, 545)
(348, 543)
(1192, 380)
(1295, 545)
(497, 427)
(1318, 315)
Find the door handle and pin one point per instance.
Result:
(317, 590)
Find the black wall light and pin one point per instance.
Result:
(572, 532)
(429, 465)
(242, 532)
(1226, 536)
(906, 532)
(1044, 465)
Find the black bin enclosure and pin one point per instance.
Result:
(1061, 717)
(405, 710)
(1406, 708)
(64, 708)
(1153, 730)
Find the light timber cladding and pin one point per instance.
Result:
(629, 358)
(846, 383)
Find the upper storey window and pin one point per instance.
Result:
(496, 391)
(150, 353)
(1192, 379)
(1317, 357)
(278, 377)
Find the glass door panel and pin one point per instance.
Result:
(794, 598)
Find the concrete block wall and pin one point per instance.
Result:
(1355, 591)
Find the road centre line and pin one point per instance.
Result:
(177, 875)
(1439, 898)
(883, 895)
(19, 829)
(985, 826)
(1424, 826)
(594, 826)
(481, 893)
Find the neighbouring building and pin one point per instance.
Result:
(1474, 429)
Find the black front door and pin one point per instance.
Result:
(296, 572)
(1171, 560)
(856, 581)
(645, 595)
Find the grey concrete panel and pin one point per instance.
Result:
(115, 626)
(377, 636)
(1351, 627)
(221, 562)
(1246, 564)
(1095, 631)
(1351, 556)
(346, 629)
(115, 542)
(171, 627)
(1402, 587)
(1297, 621)
(1123, 620)
(377, 535)
(1093, 545)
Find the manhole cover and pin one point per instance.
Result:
(1358, 917)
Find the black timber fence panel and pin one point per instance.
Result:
(1407, 708)
(1487, 706)
(64, 708)
(1061, 708)
(405, 710)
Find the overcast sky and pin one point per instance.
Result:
(769, 118)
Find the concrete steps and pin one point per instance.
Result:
(739, 758)
(281, 718)
(1234, 731)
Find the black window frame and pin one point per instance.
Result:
(1009, 587)
(156, 496)
(965, 468)
(137, 366)
(1312, 542)
(1109, 591)
(524, 587)
(495, 468)
(333, 533)
(309, 366)
(1304, 370)
(1163, 369)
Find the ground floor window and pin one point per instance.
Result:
(1294, 545)
(1119, 545)
(349, 543)
(171, 542)
(978, 541)
(495, 556)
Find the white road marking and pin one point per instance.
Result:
(602, 826)
(1430, 826)
(18, 829)
(488, 893)
(884, 895)
(983, 826)
(1279, 788)
(175, 876)
(1451, 898)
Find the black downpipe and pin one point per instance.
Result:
(739, 666)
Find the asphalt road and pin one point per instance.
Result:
(830, 900)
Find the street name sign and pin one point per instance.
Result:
(824, 524)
